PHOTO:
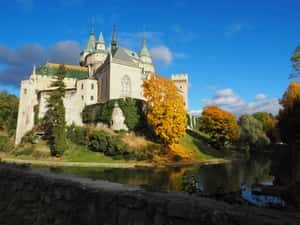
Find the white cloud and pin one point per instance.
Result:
(270, 106)
(231, 102)
(196, 113)
(162, 54)
(224, 93)
(260, 97)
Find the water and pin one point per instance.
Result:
(236, 182)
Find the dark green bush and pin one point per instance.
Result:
(79, 135)
(116, 147)
(5, 145)
(98, 141)
(177, 158)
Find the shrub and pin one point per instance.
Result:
(116, 147)
(177, 158)
(98, 141)
(79, 135)
(5, 144)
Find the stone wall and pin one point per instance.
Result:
(37, 197)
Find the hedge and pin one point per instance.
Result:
(133, 110)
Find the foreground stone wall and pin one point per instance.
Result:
(37, 197)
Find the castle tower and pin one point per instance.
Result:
(90, 46)
(100, 45)
(144, 53)
(182, 84)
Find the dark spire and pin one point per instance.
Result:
(93, 24)
(114, 41)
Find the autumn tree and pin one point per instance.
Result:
(219, 124)
(54, 122)
(269, 124)
(166, 113)
(296, 63)
(250, 131)
(289, 115)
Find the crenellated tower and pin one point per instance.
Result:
(182, 84)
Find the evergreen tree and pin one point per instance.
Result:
(55, 125)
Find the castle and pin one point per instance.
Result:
(104, 73)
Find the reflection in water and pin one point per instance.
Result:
(233, 182)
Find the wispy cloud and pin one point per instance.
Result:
(260, 97)
(212, 87)
(233, 29)
(162, 55)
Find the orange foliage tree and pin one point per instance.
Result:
(289, 115)
(219, 124)
(166, 113)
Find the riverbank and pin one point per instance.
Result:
(113, 165)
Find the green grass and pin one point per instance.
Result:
(200, 148)
(76, 153)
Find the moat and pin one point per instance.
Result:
(242, 182)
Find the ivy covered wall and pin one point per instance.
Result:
(134, 111)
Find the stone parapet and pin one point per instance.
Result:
(38, 197)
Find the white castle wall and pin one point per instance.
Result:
(36, 91)
(117, 73)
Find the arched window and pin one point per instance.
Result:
(125, 87)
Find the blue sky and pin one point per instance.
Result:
(234, 51)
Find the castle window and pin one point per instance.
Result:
(92, 98)
(82, 97)
(81, 86)
(180, 86)
(25, 91)
(92, 86)
(125, 87)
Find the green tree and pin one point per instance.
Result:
(55, 125)
(8, 111)
(269, 123)
(296, 63)
(251, 132)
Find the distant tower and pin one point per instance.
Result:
(100, 45)
(90, 46)
(182, 84)
(114, 41)
(144, 53)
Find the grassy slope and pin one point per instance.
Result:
(190, 148)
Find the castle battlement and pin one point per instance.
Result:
(180, 76)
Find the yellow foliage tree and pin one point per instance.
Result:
(290, 95)
(166, 113)
(219, 124)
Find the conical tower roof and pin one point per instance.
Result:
(101, 39)
(91, 44)
(144, 50)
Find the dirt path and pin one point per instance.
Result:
(113, 165)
